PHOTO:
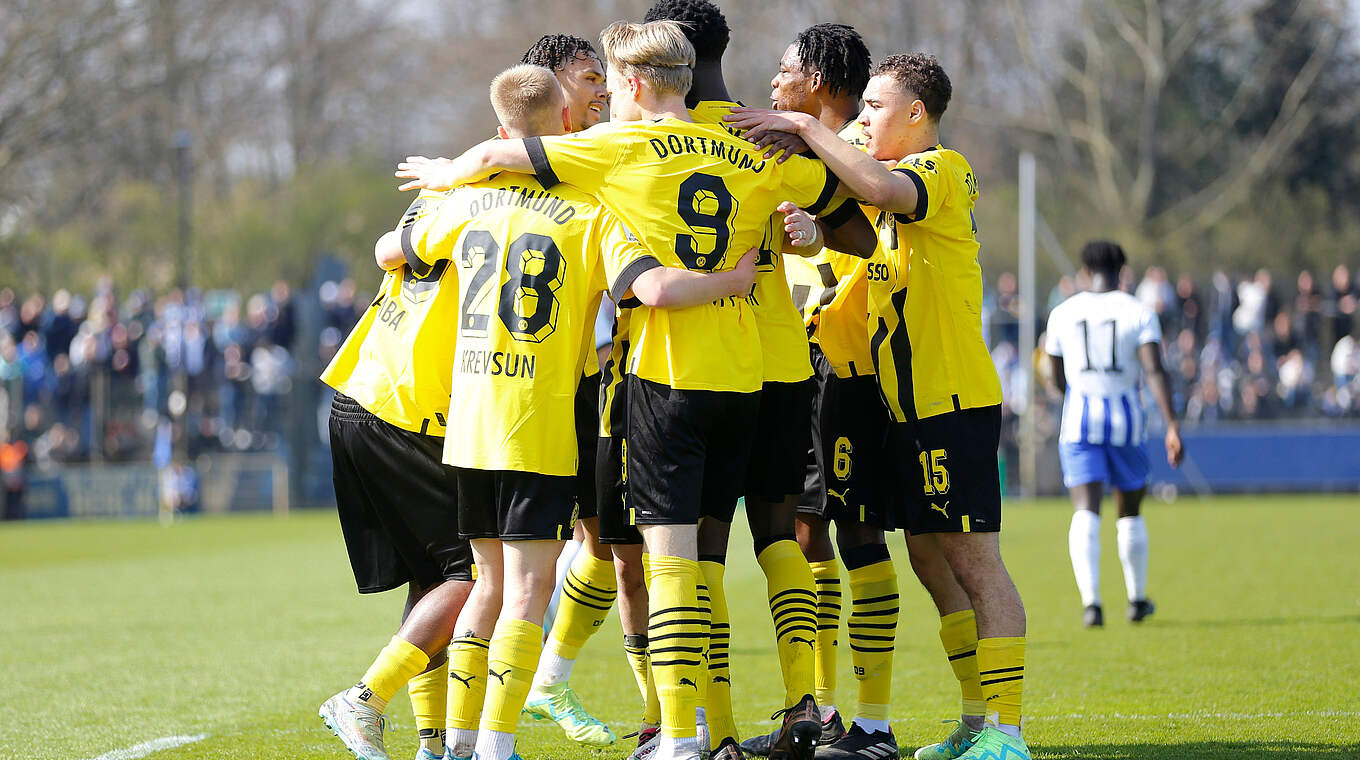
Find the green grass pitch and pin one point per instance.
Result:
(115, 634)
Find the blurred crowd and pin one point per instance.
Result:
(133, 377)
(1236, 347)
(136, 377)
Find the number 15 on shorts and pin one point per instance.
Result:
(933, 472)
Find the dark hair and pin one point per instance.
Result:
(839, 53)
(923, 75)
(554, 51)
(1103, 256)
(703, 22)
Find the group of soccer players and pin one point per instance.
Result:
(796, 321)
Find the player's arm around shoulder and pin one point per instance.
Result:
(861, 175)
(475, 164)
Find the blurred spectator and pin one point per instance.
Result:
(1308, 312)
(95, 378)
(13, 462)
(1155, 292)
(1252, 297)
(1189, 306)
(1341, 303)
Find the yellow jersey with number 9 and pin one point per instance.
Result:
(697, 198)
(530, 278)
(783, 340)
(397, 360)
(925, 296)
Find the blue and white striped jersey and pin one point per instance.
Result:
(1098, 335)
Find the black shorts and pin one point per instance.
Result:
(687, 452)
(515, 506)
(813, 500)
(615, 525)
(853, 441)
(398, 504)
(949, 461)
(587, 430)
(783, 438)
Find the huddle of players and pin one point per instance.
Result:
(677, 221)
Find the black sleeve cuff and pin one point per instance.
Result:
(922, 197)
(823, 200)
(418, 267)
(841, 214)
(542, 169)
(624, 282)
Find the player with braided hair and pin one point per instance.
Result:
(578, 70)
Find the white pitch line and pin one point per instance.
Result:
(146, 748)
(1202, 715)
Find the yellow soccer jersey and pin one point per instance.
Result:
(529, 281)
(831, 292)
(783, 339)
(397, 360)
(925, 296)
(696, 197)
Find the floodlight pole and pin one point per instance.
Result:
(183, 178)
(1029, 426)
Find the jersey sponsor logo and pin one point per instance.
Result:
(497, 364)
(677, 145)
(877, 272)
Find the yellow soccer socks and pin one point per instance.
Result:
(397, 663)
(793, 607)
(429, 701)
(873, 631)
(958, 633)
(676, 635)
(515, 648)
(721, 724)
(635, 646)
(467, 692)
(1001, 668)
(588, 591)
(827, 577)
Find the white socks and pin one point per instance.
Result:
(870, 726)
(495, 745)
(673, 748)
(462, 741)
(1133, 555)
(1083, 543)
(553, 668)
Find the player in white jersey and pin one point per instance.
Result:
(1101, 343)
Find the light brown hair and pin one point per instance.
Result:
(657, 52)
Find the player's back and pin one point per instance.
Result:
(696, 197)
(397, 360)
(529, 281)
(1098, 335)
